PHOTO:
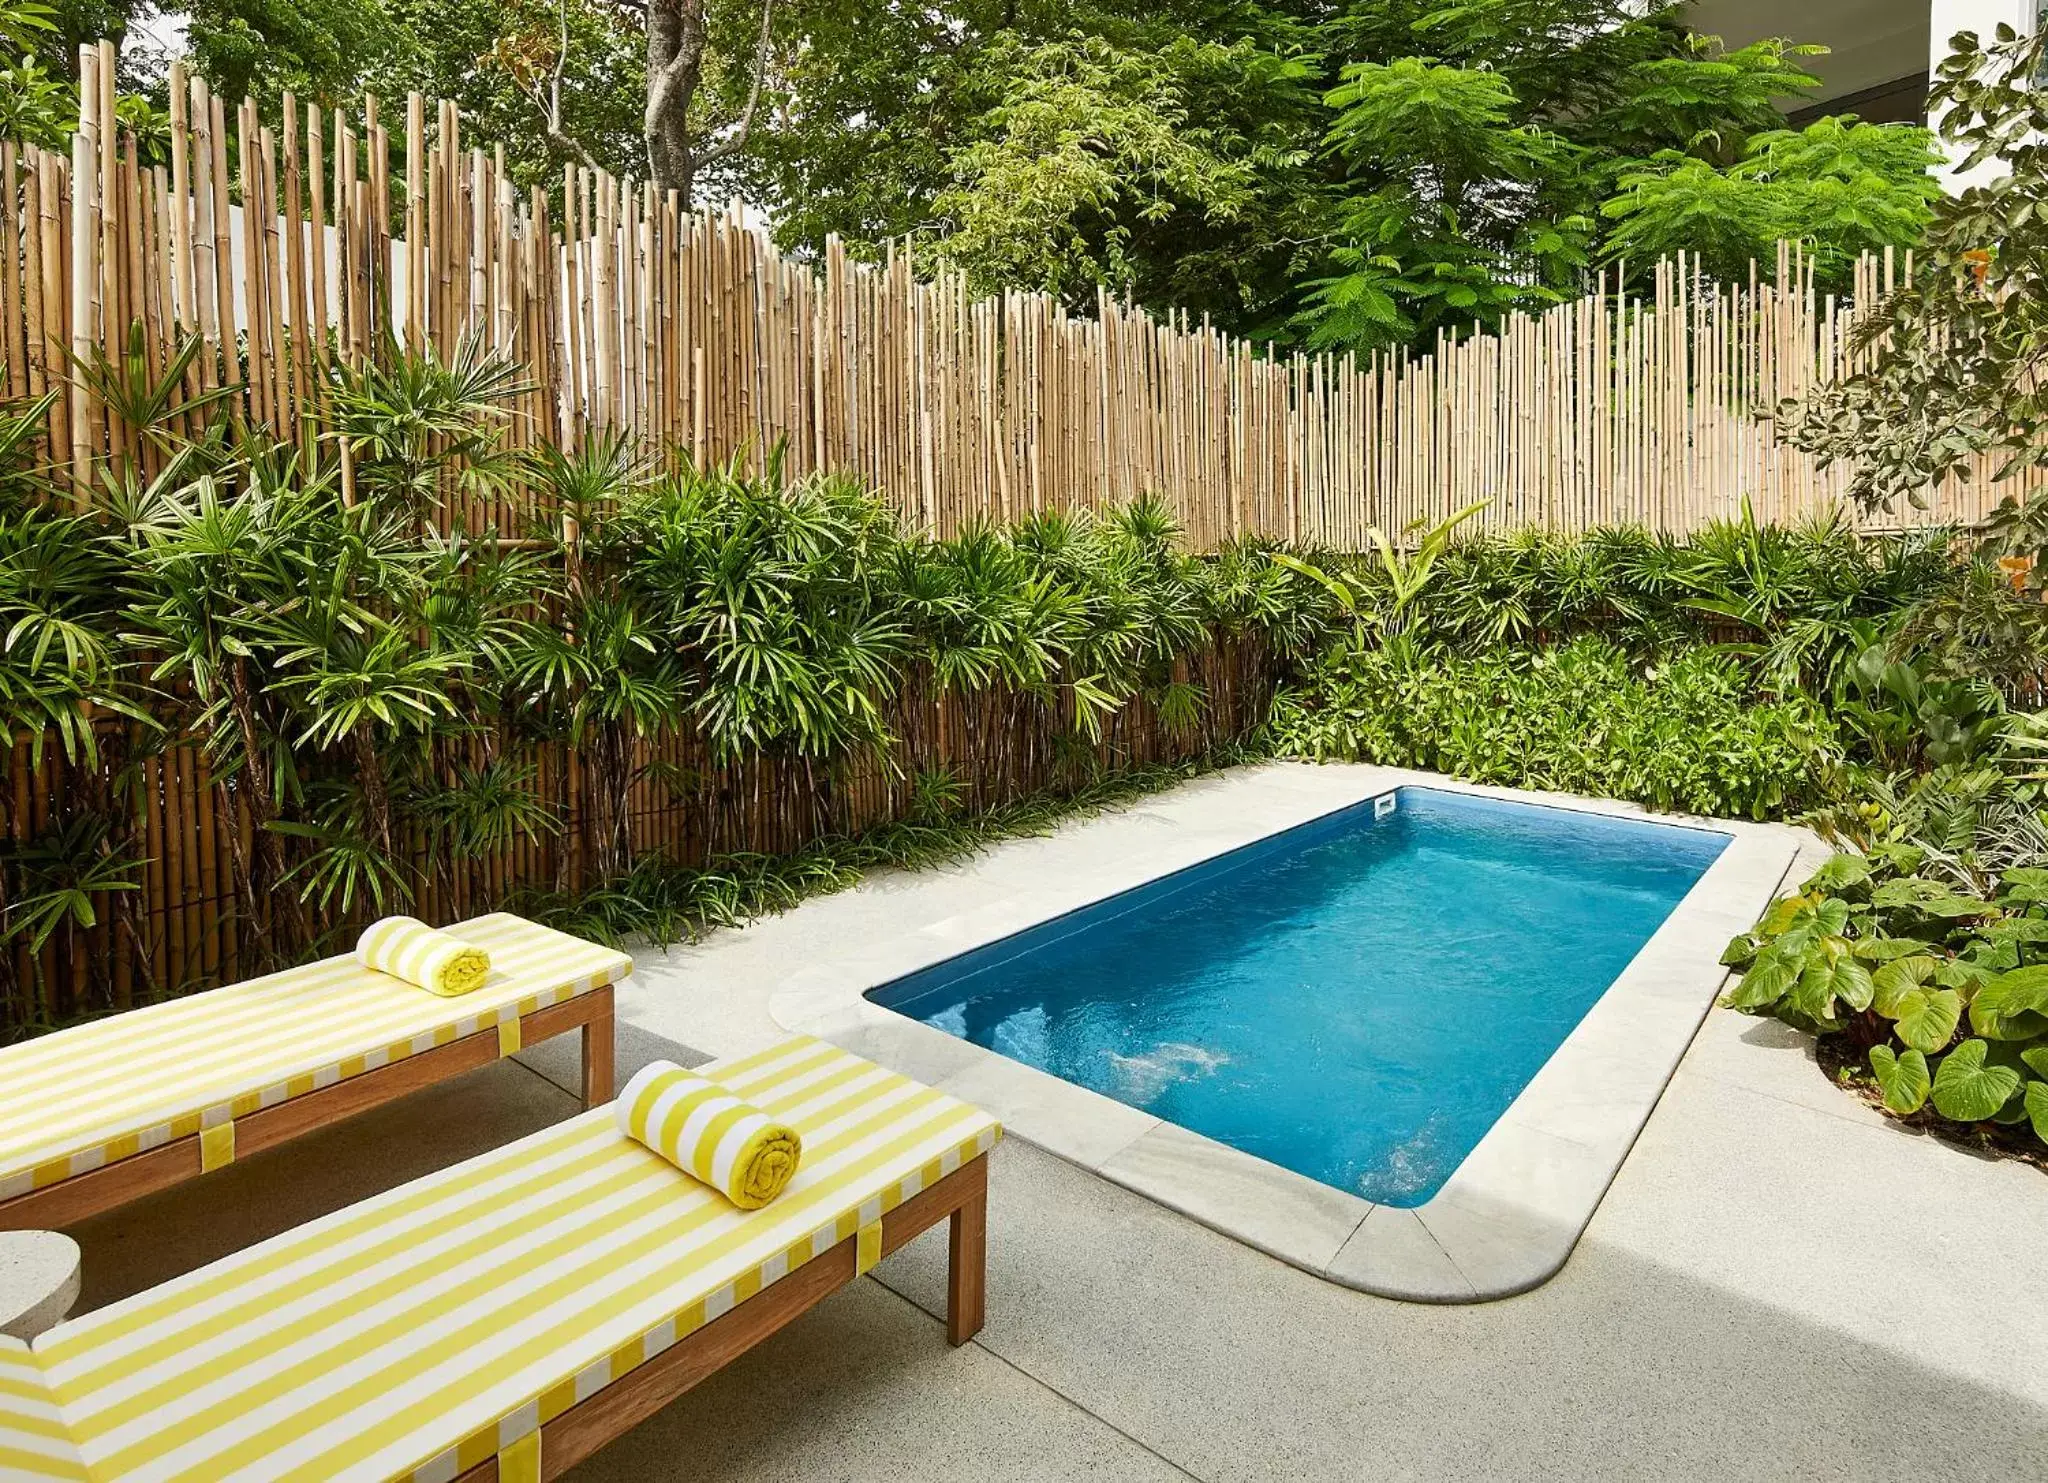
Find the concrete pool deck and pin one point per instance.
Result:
(1778, 1284)
(1509, 1215)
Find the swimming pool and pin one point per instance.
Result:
(1357, 999)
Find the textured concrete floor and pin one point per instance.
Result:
(1778, 1285)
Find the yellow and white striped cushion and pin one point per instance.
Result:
(88, 1096)
(421, 1332)
(704, 1130)
(34, 1441)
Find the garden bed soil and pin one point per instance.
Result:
(1843, 1062)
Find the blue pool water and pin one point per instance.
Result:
(1357, 999)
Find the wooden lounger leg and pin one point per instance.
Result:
(967, 1262)
(597, 1052)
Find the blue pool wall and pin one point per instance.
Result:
(905, 995)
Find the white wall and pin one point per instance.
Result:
(1945, 18)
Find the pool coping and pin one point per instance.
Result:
(1509, 1215)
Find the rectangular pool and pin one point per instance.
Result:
(1357, 999)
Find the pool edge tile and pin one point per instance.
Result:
(1289, 1216)
(1393, 1255)
(1081, 1126)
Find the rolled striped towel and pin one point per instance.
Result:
(707, 1132)
(407, 948)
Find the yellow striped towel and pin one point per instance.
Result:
(706, 1131)
(407, 948)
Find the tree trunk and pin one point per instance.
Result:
(262, 884)
(675, 65)
(676, 41)
(371, 767)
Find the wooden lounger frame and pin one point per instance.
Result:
(111, 1185)
(961, 1196)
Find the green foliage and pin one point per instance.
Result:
(1400, 576)
(1351, 177)
(1949, 370)
(497, 63)
(1840, 187)
(1581, 718)
(263, 48)
(1797, 600)
(1480, 151)
(1954, 1021)
(1085, 143)
(36, 106)
(1347, 177)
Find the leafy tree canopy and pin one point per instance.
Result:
(1344, 175)
(1349, 177)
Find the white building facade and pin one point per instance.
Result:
(1880, 52)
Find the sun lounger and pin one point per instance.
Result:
(104, 1113)
(506, 1317)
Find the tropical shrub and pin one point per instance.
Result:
(1935, 986)
(1789, 595)
(1947, 366)
(1585, 717)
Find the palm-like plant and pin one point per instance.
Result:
(1402, 574)
(416, 430)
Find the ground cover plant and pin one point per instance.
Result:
(1582, 717)
(1744, 670)
(1927, 974)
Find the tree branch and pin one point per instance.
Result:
(738, 141)
(550, 103)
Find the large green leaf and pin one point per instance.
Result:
(1928, 898)
(2016, 929)
(1741, 950)
(1886, 949)
(2037, 1108)
(1902, 1078)
(1840, 874)
(1831, 917)
(1811, 915)
(1966, 1090)
(1898, 978)
(1784, 914)
(1908, 890)
(1955, 908)
(1763, 985)
(1831, 976)
(1956, 973)
(2012, 1006)
(1902, 857)
(1927, 1019)
(2024, 883)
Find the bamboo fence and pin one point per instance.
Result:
(286, 248)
